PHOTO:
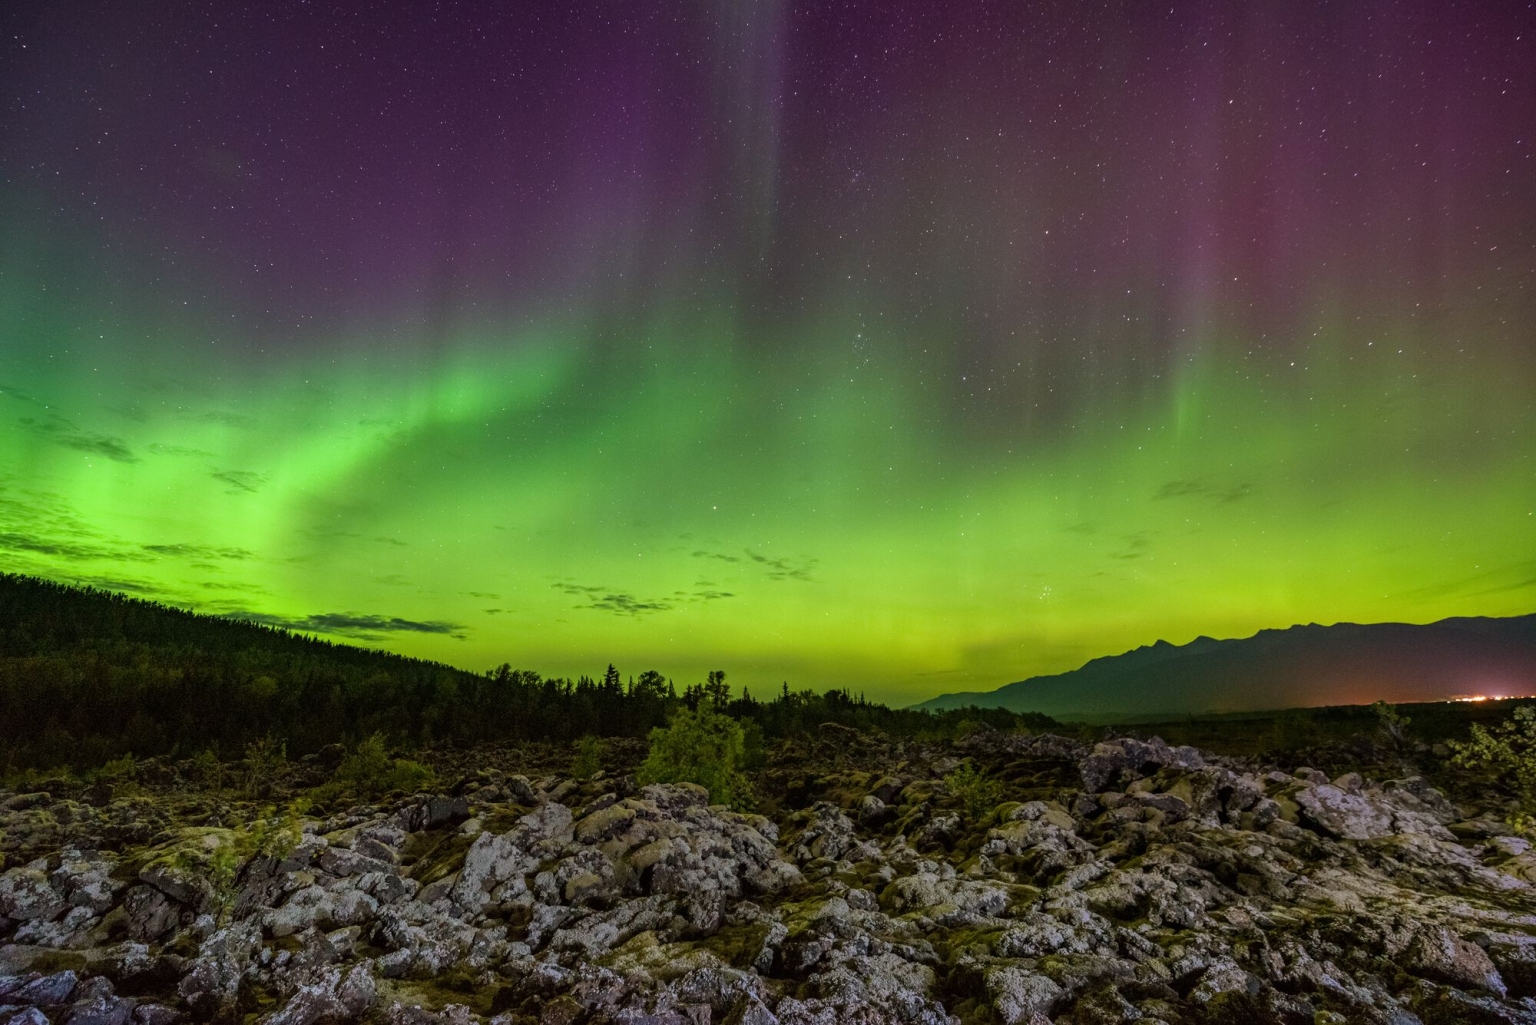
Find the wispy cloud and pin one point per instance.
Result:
(193, 551)
(1137, 546)
(1202, 489)
(178, 450)
(622, 603)
(353, 624)
(64, 432)
(605, 599)
(783, 569)
(16, 541)
(241, 480)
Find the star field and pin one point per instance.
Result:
(908, 346)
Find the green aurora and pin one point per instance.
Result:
(806, 524)
(1004, 469)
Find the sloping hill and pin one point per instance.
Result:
(1302, 666)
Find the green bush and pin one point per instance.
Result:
(588, 759)
(977, 794)
(703, 747)
(264, 758)
(369, 771)
(124, 768)
(208, 770)
(1506, 754)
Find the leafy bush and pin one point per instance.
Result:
(589, 757)
(263, 759)
(369, 771)
(1506, 753)
(1392, 728)
(208, 770)
(124, 768)
(703, 747)
(977, 794)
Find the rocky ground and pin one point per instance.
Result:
(1125, 881)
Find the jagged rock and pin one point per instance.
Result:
(87, 881)
(1126, 760)
(1171, 887)
(26, 894)
(1339, 812)
(320, 908)
(96, 1004)
(213, 981)
(151, 914)
(47, 991)
(333, 995)
(183, 868)
(1439, 954)
(1020, 996)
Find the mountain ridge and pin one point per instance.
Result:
(1302, 665)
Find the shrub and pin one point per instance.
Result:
(588, 759)
(1506, 753)
(977, 794)
(208, 770)
(1392, 728)
(704, 747)
(263, 759)
(369, 771)
(124, 768)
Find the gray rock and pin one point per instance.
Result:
(1438, 953)
(151, 914)
(1341, 813)
(25, 1016)
(104, 1009)
(48, 991)
(1121, 761)
(27, 895)
(332, 995)
(1020, 996)
(213, 982)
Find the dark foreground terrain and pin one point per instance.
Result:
(1122, 881)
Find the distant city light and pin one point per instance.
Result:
(1491, 697)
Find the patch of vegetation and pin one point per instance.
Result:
(207, 770)
(122, 769)
(1505, 754)
(265, 757)
(370, 772)
(272, 833)
(588, 758)
(978, 794)
(701, 746)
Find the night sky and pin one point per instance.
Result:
(911, 346)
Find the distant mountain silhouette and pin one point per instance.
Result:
(1303, 666)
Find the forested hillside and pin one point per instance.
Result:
(89, 675)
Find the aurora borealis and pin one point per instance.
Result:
(910, 346)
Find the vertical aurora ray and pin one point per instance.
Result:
(923, 350)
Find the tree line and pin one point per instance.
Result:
(88, 675)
